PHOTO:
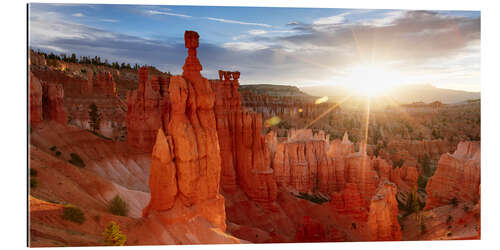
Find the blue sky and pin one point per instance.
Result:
(297, 46)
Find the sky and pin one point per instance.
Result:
(294, 46)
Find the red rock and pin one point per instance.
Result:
(145, 109)
(341, 148)
(350, 202)
(104, 84)
(53, 100)
(421, 148)
(186, 166)
(359, 169)
(244, 153)
(458, 175)
(36, 106)
(382, 220)
(310, 231)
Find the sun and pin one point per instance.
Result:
(371, 79)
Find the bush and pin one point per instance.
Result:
(448, 233)
(33, 183)
(74, 214)
(76, 160)
(423, 228)
(33, 172)
(454, 202)
(58, 153)
(113, 236)
(53, 148)
(117, 206)
(449, 219)
(422, 182)
(466, 208)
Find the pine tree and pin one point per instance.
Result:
(113, 236)
(95, 117)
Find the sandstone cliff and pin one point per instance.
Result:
(457, 178)
(382, 220)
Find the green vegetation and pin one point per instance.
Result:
(398, 164)
(454, 202)
(448, 233)
(113, 236)
(422, 182)
(76, 160)
(73, 213)
(33, 172)
(53, 148)
(33, 183)
(58, 153)
(117, 206)
(449, 219)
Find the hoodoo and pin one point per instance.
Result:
(185, 168)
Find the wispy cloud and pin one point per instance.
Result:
(109, 20)
(337, 19)
(78, 15)
(156, 12)
(237, 22)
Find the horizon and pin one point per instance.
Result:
(300, 47)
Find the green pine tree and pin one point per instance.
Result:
(113, 236)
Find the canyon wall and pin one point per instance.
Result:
(284, 106)
(46, 101)
(244, 154)
(458, 176)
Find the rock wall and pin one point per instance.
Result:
(186, 165)
(147, 107)
(36, 105)
(46, 101)
(458, 176)
(284, 106)
(421, 148)
(382, 220)
(244, 154)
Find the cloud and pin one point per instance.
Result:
(109, 20)
(421, 43)
(78, 15)
(245, 46)
(237, 22)
(331, 20)
(156, 12)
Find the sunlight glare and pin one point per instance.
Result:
(371, 79)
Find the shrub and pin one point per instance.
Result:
(422, 182)
(113, 236)
(454, 202)
(76, 160)
(117, 206)
(423, 228)
(448, 233)
(73, 213)
(83, 70)
(58, 153)
(53, 148)
(449, 219)
(466, 208)
(33, 172)
(33, 182)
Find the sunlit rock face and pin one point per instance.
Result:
(458, 176)
(36, 106)
(146, 107)
(244, 153)
(185, 168)
(46, 101)
(382, 219)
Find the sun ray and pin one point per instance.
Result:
(327, 111)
